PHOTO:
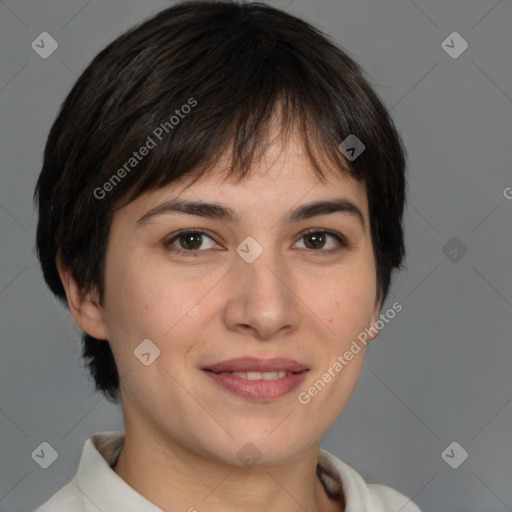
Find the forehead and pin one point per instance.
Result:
(282, 176)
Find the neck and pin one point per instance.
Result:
(174, 478)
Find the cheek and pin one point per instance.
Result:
(155, 306)
(346, 300)
(151, 302)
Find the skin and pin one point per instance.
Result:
(183, 431)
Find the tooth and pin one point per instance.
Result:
(254, 375)
(259, 375)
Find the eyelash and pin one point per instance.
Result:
(197, 252)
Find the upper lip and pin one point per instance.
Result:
(253, 364)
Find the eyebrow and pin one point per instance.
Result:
(218, 211)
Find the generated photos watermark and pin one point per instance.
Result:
(151, 142)
(304, 397)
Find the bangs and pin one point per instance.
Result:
(240, 146)
(236, 88)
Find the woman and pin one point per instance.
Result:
(220, 206)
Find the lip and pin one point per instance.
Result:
(253, 364)
(257, 390)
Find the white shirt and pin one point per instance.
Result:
(97, 488)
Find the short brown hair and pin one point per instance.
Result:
(232, 64)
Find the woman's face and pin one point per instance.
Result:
(253, 286)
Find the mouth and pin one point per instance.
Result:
(257, 379)
(255, 365)
(258, 375)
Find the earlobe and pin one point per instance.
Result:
(373, 330)
(84, 307)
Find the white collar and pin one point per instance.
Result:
(98, 487)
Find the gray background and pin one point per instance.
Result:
(439, 371)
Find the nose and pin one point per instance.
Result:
(262, 300)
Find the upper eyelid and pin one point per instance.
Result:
(174, 236)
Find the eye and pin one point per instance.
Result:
(189, 241)
(316, 240)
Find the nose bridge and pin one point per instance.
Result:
(261, 271)
(261, 294)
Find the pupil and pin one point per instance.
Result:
(189, 237)
(319, 237)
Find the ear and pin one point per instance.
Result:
(84, 307)
(373, 330)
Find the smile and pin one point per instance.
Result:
(257, 386)
(259, 375)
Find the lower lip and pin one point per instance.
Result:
(259, 390)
